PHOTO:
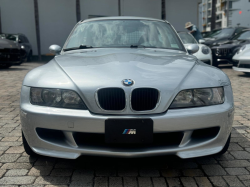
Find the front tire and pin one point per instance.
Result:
(224, 150)
(27, 148)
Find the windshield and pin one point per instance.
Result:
(245, 35)
(125, 33)
(9, 37)
(187, 38)
(222, 33)
(208, 35)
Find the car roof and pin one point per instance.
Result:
(235, 27)
(121, 18)
(20, 34)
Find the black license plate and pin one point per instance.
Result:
(129, 131)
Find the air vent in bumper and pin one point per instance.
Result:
(144, 99)
(111, 99)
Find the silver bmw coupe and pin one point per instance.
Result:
(126, 87)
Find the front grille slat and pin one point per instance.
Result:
(223, 51)
(144, 99)
(111, 99)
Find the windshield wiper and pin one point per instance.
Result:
(141, 46)
(137, 46)
(80, 47)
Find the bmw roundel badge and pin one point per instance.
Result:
(127, 82)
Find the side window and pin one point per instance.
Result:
(238, 30)
(20, 38)
(23, 39)
(27, 41)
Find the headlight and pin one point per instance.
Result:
(56, 98)
(242, 49)
(198, 98)
(22, 47)
(205, 50)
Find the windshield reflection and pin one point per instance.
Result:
(124, 33)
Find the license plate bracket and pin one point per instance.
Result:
(129, 131)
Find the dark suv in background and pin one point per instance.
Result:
(25, 48)
(227, 49)
(9, 53)
(222, 35)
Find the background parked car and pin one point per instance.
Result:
(24, 45)
(222, 35)
(9, 53)
(204, 54)
(207, 34)
(227, 49)
(241, 60)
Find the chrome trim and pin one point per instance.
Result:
(145, 111)
(108, 111)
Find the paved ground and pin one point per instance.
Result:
(18, 169)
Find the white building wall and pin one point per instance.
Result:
(56, 22)
(98, 8)
(243, 18)
(178, 12)
(142, 8)
(18, 17)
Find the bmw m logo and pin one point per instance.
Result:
(129, 131)
(128, 82)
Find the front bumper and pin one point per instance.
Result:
(241, 65)
(227, 57)
(224, 54)
(9, 58)
(69, 122)
(10, 62)
(241, 69)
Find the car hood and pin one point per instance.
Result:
(89, 70)
(235, 42)
(243, 55)
(108, 68)
(4, 43)
(231, 44)
(211, 41)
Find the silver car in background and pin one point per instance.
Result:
(241, 60)
(126, 87)
(204, 53)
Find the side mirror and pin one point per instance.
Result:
(201, 41)
(192, 48)
(55, 49)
